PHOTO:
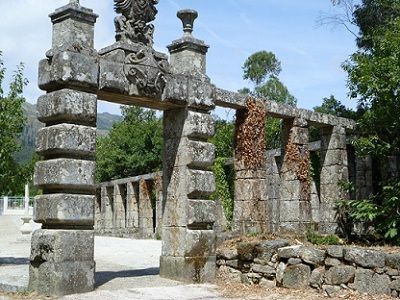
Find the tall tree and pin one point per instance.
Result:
(11, 125)
(133, 146)
(262, 69)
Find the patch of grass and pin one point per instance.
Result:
(318, 239)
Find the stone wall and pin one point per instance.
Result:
(130, 207)
(333, 269)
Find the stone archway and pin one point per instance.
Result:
(131, 72)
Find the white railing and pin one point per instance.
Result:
(16, 206)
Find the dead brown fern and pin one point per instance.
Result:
(250, 134)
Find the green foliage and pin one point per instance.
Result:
(12, 122)
(382, 211)
(318, 239)
(223, 139)
(133, 146)
(374, 78)
(224, 177)
(330, 105)
(260, 65)
(263, 69)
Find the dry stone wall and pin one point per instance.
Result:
(333, 269)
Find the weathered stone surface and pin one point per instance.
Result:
(227, 254)
(201, 94)
(296, 276)
(289, 252)
(366, 281)
(68, 106)
(61, 174)
(266, 270)
(312, 256)
(251, 278)
(395, 285)
(61, 246)
(331, 290)
(267, 249)
(67, 139)
(316, 277)
(280, 271)
(197, 155)
(67, 68)
(200, 183)
(365, 258)
(65, 209)
(246, 250)
(188, 269)
(268, 284)
(393, 260)
(201, 212)
(392, 272)
(199, 125)
(335, 251)
(339, 275)
(332, 262)
(62, 278)
(294, 261)
(250, 189)
(182, 242)
(233, 263)
(79, 18)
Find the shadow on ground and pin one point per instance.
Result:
(6, 261)
(106, 276)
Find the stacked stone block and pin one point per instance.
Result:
(334, 171)
(251, 200)
(61, 260)
(334, 270)
(145, 210)
(295, 202)
(188, 251)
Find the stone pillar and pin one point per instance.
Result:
(119, 210)
(5, 205)
(61, 260)
(363, 177)
(188, 252)
(295, 200)
(132, 207)
(334, 170)
(145, 210)
(250, 203)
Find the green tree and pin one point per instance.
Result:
(11, 125)
(262, 69)
(133, 146)
(330, 105)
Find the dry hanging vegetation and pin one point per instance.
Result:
(250, 134)
(299, 157)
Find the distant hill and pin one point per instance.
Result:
(105, 122)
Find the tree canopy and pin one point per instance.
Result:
(12, 122)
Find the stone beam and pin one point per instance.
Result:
(235, 100)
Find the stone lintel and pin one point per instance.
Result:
(235, 100)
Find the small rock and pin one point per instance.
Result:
(280, 270)
(395, 285)
(393, 260)
(335, 251)
(392, 272)
(365, 258)
(332, 262)
(265, 283)
(246, 251)
(227, 254)
(339, 275)
(312, 256)
(331, 290)
(395, 294)
(274, 258)
(267, 270)
(251, 278)
(233, 263)
(296, 276)
(380, 270)
(260, 261)
(294, 261)
(316, 277)
(267, 249)
(289, 252)
(221, 262)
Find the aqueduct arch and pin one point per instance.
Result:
(74, 75)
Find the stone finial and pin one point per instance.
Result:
(187, 17)
(74, 2)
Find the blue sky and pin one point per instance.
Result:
(311, 56)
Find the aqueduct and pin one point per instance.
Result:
(74, 75)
